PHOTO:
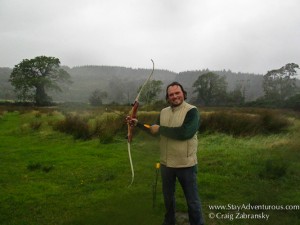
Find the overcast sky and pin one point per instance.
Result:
(251, 36)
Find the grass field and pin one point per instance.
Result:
(48, 177)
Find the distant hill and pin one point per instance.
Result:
(121, 83)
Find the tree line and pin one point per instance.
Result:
(32, 79)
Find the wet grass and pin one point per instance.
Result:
(48, 177)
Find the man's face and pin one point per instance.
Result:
(175, 95)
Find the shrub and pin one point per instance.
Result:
(243, 123)
(273, 122)
(293, 102)
(74, 125)
(38, 114)
(35, 125)
(230, 123)
(107, 126)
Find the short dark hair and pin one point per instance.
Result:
(175, 83)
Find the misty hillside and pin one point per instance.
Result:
(251, 83)
(121, 83)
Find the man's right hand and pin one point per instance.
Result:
(154, 129)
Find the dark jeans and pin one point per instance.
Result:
(187, 178)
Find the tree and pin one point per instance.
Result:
(280, 84)
(96, 97)
(33, 77)
(151, 91)
(211, 88)
(293, 102)
(237, 96)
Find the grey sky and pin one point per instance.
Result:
(242, 35)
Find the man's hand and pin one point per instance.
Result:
(154, 129)
(131, 121)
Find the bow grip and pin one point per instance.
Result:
(135, 106)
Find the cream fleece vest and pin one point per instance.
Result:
(177, 153)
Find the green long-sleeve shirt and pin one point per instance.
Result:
(186, 131)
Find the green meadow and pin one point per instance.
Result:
(71, 167)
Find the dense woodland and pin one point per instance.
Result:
(121, 83)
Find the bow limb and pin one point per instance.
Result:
(131, 165)
(149, 77)
(129, 138)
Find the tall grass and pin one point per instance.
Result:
(105, 125)
(108, 125)
(75, 125)
(243, 124)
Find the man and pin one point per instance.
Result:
(177, 126)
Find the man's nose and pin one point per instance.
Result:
(175, 95)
